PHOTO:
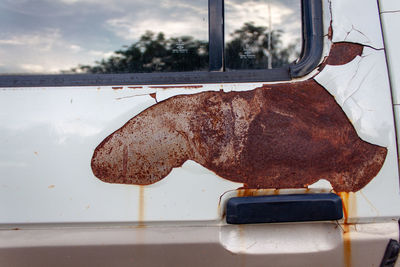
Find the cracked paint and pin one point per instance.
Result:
(355, 88)
(361, 27)
(389, 6)
(287, 135)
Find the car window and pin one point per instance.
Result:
(66, 42)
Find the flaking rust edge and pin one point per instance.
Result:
(286, 135)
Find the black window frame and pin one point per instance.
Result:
(312, 47)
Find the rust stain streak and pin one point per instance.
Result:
(141, 208)
(117, 88)
(129, 96)
(179, 86)
(349, 201)
(245, 192)
(287, 135)
(345, 202)
(369, 202)
(135, 87)
(346, 230)
(347, 245)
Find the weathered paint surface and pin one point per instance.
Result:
(286, 135)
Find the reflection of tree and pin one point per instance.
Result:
(248, 48)
(155, 53)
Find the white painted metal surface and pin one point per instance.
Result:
(389, 5)
(278, 245)
(48, 136)
(390, 26)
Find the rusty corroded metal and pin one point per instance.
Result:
(342, 53)
(286, 135)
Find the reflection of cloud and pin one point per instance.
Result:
(284, 17)
(70, 1)
(124, 28)
(100, 54)
(61, 34)
(75, 48)
(33, 68)
(44, 52)
(43, 41)
(172, 17)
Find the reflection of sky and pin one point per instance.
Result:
(285, 15)
(46, 36)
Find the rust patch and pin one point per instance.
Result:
(182, 86)
(286, 135)
(342, 53)
(330, 31)
(154, 95)
(245, 192)
(135, 87)
(117, 88)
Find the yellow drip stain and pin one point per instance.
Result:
(349, 201)
(370, 203)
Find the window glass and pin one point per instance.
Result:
(262, 34)
(103, 36)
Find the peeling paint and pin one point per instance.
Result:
(342, 53)
(351, 25)
(154, 95)
(286, 135)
